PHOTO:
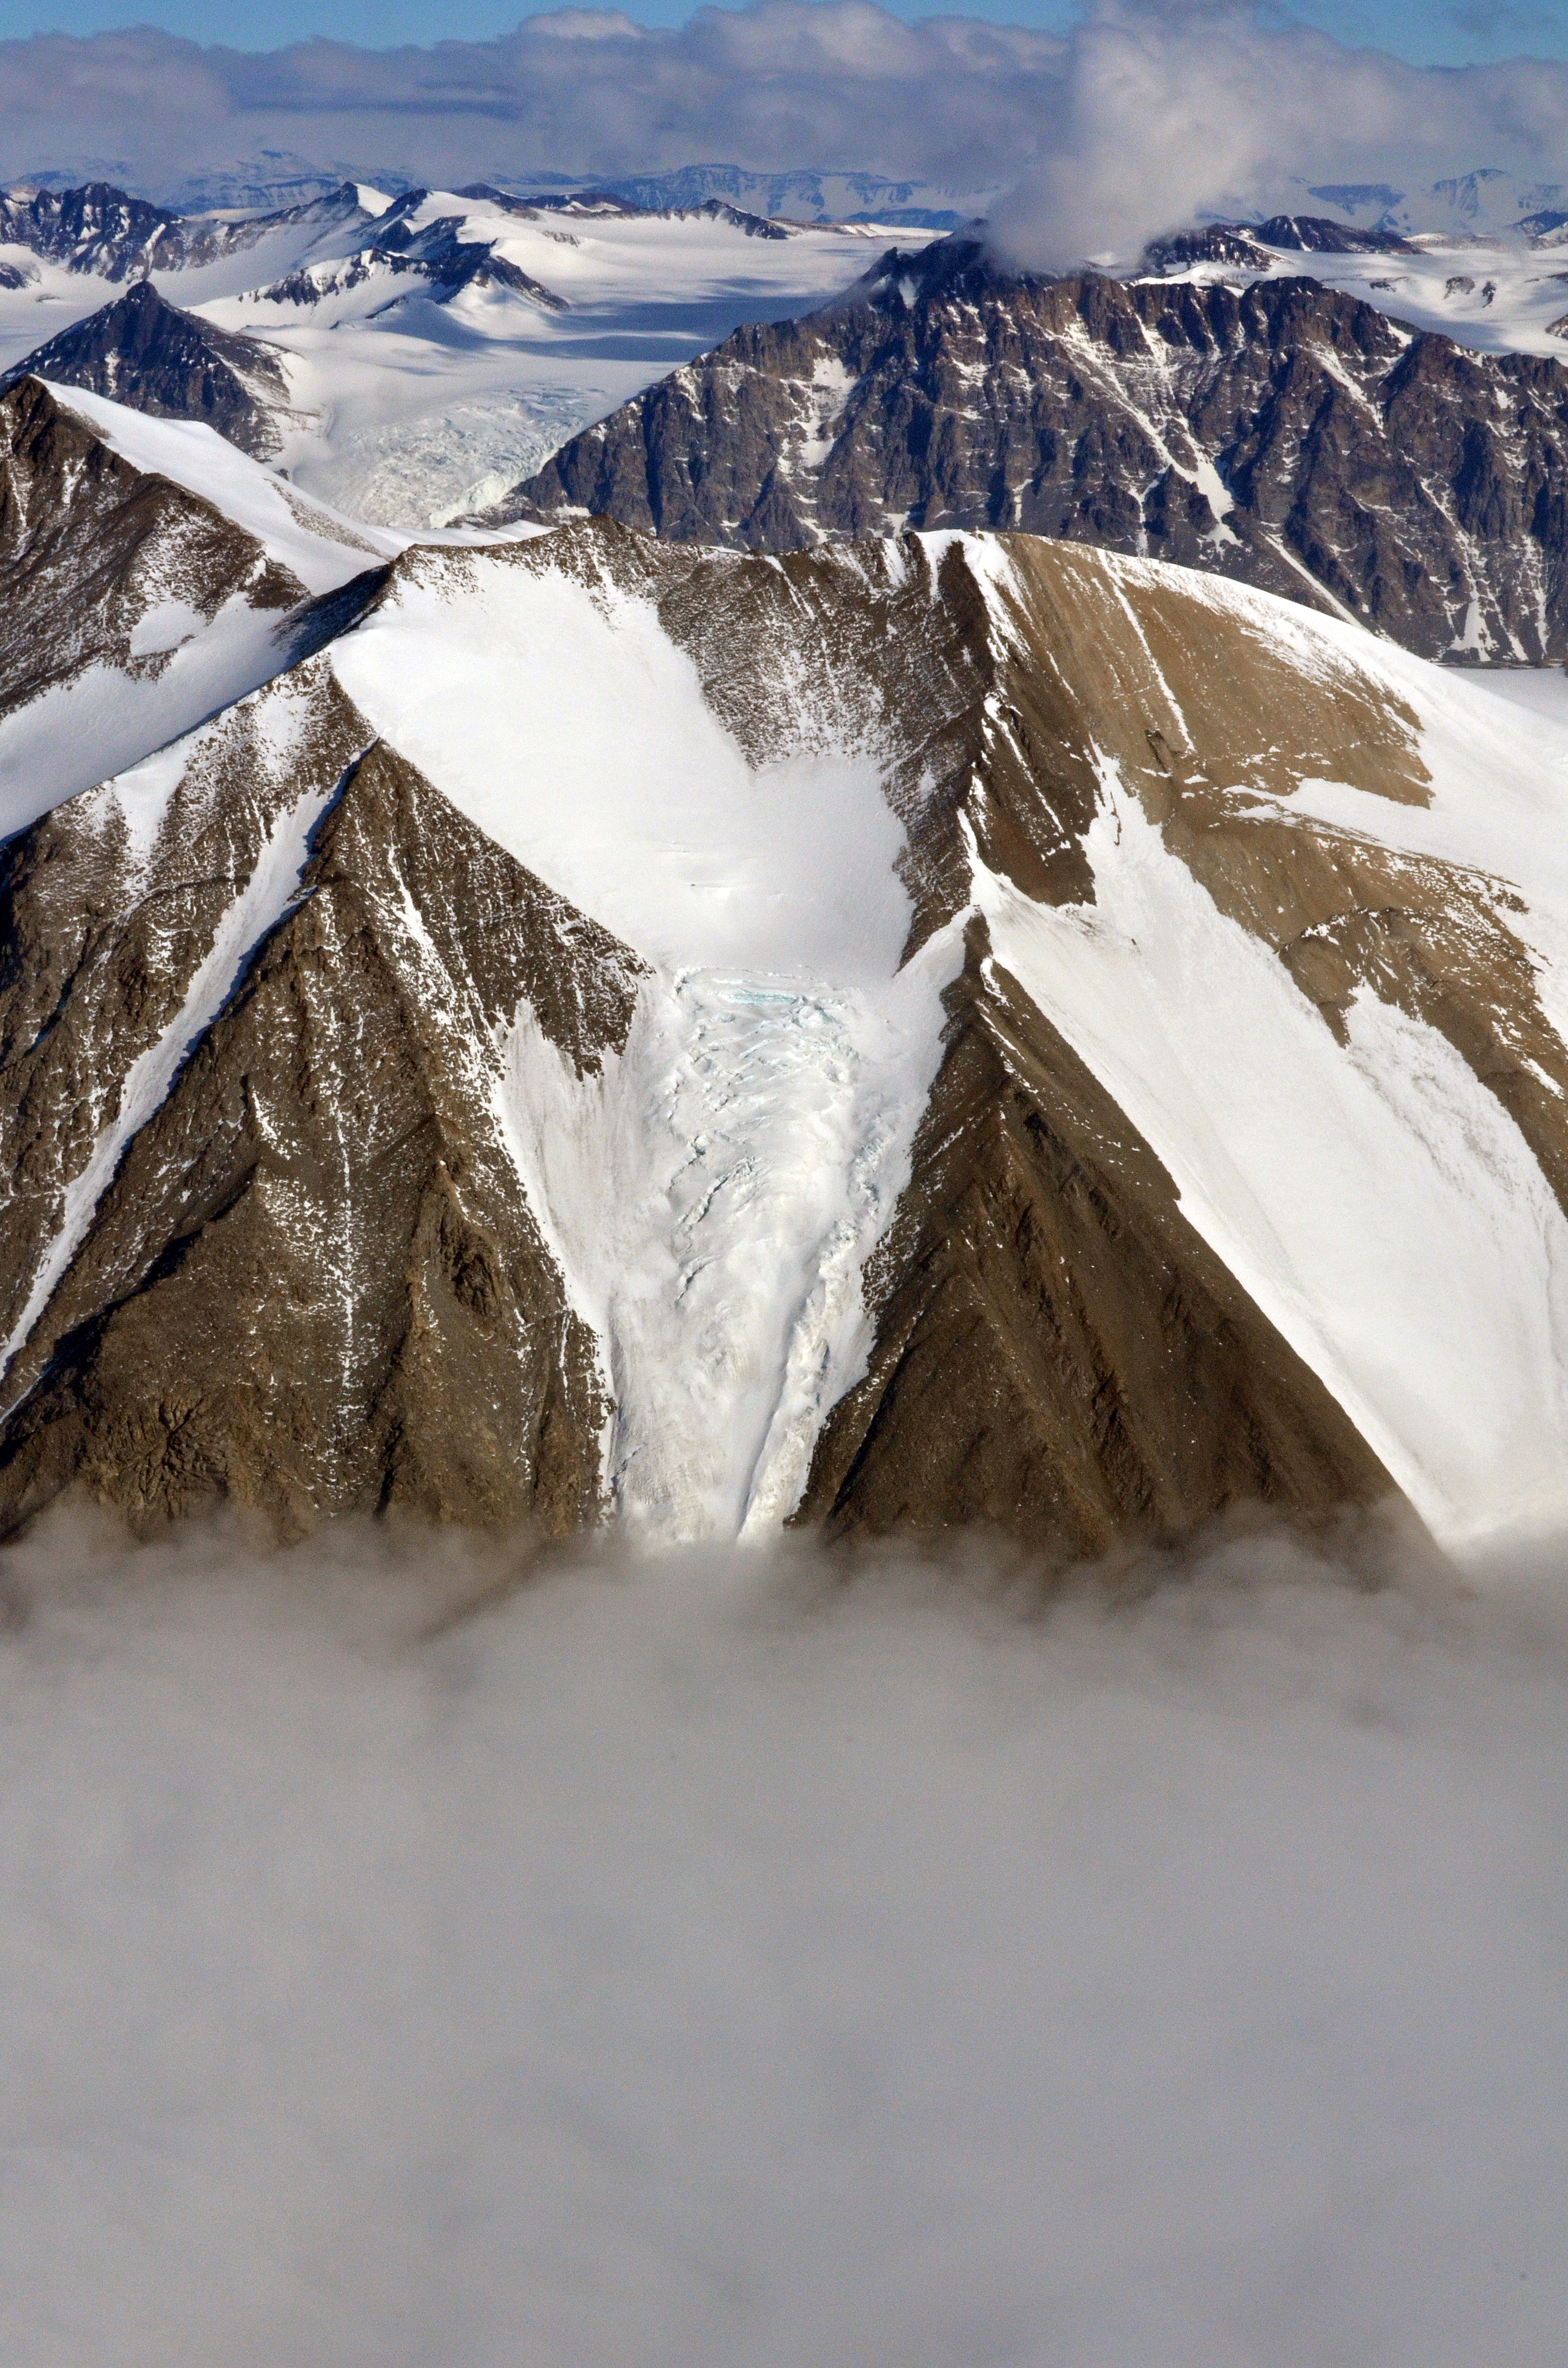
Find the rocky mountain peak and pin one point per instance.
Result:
(1236, 430)
(96, 228)
(143, 352)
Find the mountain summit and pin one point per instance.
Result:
(144, 353)
(1282, 434)
(941, 1029)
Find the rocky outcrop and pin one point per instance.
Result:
(1059, 1357)
(100, 229)
(431, 260)
(149, 355)
(311, 1283)
(1283, 434)
(90, 544)
(96, 228)
(1320, 235)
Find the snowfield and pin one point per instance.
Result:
(711, 1198)
(1501, 292)
(411, 406)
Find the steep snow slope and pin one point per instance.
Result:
(320, 547)
(1377, 1197)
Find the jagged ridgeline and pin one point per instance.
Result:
(941, 1029)
(1284, 433)
(152, 357)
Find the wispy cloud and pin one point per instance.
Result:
(1170, 109)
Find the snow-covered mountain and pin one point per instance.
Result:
(954, 1027)
(434, 346)
(1255, 424)
(149, 355)
(151, 574)
(1497, 293)
(804, 195)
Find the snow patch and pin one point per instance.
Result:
(164, 627)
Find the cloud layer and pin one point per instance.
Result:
(1169, 111)
(1151, 112)
(703, 1966)
(580, 91)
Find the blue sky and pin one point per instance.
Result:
(1429, 32)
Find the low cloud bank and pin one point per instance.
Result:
(582, 92)
(703, 1962)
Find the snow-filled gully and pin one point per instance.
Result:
(711, 1194)
(261, 904)
(710, 1199)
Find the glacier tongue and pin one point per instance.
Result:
(711, 1194)
(711, 1198)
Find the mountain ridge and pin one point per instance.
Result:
(1284, 433)
(143, 352)
(887, 1036)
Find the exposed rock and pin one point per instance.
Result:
(269, 1236)
(97, 228)
(1226, 243)
(1320, 234)
(89, 544)
(143, 352)
(433, 260)
(1058, 1355)
(313, 1285)
(1284, 434)
(100, 229)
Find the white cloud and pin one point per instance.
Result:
(1173, 109)
(582, 91)
(1151, 112)
(703, 1965)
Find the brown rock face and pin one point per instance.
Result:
(269, 1236)
(147, 354)
(1284, 434)
(313, 1285)
(1214, 726)
(1058, 1355)
(89, 543)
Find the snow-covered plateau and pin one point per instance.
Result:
(440, 346)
